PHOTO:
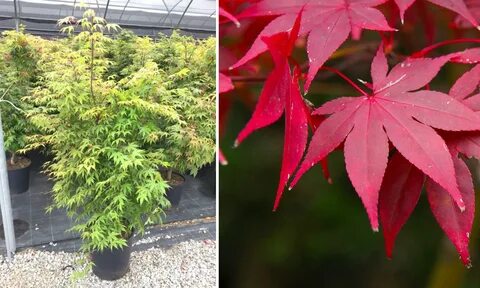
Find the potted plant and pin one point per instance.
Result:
(207, 177)
(189, 143)
(17, 72)
(206, 126)
(187, 86)
(197, 86)
(103, 175)
(151, 84)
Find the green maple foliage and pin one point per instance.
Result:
(191, 143)
(180, 74)
(96, 131)
(18, 59)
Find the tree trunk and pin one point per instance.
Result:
(13, 159)
(92, 50)
(169, 175)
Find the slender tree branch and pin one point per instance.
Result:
(427, 50)
(92, 49)
(13, 105)
(330, 72)
(6, 91)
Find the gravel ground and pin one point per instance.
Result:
(188, 264)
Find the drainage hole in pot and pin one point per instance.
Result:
(20, 227)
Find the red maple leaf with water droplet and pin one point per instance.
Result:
(457, 6)
(401, 191)
(225, 83)
(399, 194)
(398, 111)
(474, 8)
(403, 182)
(456, 224)
(281, 93)
(327, 23)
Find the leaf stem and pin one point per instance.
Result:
(427, 50)
(345, 78)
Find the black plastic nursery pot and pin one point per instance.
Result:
(112, 264)
(207, 179)
(176, 190)
(39, 157)
(19, 175)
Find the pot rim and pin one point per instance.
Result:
(181, 184)
(23, 168)
(180, 174)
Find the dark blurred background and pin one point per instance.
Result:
(320, 236)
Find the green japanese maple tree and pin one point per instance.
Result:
(177, 72)
(190, 89)
(17, 76)
(97, 130)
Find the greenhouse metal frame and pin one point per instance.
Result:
(144, 17)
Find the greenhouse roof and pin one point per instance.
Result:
(144, 17)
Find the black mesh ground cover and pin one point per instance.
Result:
(194, 218)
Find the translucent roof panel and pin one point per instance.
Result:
(7, 8)
(153, 16)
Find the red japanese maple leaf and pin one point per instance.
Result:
(223, 109)
(392, 112)
(466, 91)
(474, 7)
(327, 23)
(458, 6)
(456, 224)
(401, 191)
(221, 158)
(469, 56)
(281, 93)
(225, 83)
(403, 182)
(228, 15)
